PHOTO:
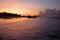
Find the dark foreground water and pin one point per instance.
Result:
(30, 29)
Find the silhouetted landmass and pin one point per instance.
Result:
(50, 13)
(6, 15)
(31, 16)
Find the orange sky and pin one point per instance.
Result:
(20, 8)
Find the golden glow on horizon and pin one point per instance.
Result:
(19, 11)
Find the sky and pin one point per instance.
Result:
(27, 7)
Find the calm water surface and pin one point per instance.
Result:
(30, 29)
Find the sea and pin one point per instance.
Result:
(30, 29)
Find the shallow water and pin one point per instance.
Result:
(30, 29)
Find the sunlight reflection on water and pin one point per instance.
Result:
(6, 21)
